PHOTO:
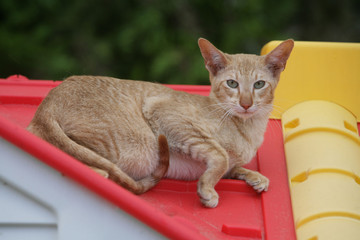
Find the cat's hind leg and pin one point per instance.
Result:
(144, 184)
(51, 131)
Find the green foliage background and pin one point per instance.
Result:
(156, 40)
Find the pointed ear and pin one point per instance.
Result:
(214, 59)
(276, 59)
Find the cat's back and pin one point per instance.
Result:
(96, 87)
(81, 93)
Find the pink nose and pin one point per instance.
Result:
(246, 106)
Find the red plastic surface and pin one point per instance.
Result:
(172, 207)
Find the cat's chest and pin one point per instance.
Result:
(242, 144)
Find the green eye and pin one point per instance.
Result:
(259, 84)
(232, 83)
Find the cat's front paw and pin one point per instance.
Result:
(259, 182)
(208, 197)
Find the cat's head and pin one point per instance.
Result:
(244, 84)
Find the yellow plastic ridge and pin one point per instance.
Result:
(326, 215)
(303, 176)
(342, 131)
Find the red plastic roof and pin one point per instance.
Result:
(172, 207)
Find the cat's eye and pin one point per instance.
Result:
(232, 83)
(259, 84)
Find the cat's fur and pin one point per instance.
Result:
(132, 130)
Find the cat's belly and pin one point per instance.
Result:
(184, 168)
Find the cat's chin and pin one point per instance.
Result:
(245, 115)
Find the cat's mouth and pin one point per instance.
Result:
(244, 113)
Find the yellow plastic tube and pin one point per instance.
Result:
(322, 148)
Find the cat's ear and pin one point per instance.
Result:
(215, 60)
(276, 59)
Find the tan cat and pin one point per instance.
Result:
(138, 132)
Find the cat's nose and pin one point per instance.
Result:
(245, 106)
(246, 101)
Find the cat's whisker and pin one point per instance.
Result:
(283, 100)
(276, 128)
(216, 110)
(279, 112)
(215, 105)
(223, 106)
(218, 107)
(274, 105)
(279, 108)
(263, 111)
(226, 115)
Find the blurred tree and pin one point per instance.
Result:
(155, 40)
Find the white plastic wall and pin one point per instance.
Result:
(37, 202)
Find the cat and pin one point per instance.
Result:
(137, 132)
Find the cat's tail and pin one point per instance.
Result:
(53, 133)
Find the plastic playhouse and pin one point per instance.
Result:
(311, 154)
